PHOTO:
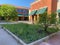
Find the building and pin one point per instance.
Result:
(40, 6)
(22, 13)
(58, 8)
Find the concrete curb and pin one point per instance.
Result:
(33, 43)
(15, 37)
(43, 39)
(27, 22)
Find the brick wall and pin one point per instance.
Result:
(51, 4)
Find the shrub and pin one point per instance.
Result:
(53, 18)
(8, 11)
(28, 32)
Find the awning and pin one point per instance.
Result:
(58, 10)
(20, 15)
(33, 12)
(41, 11)
(26, 16)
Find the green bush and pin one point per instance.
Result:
(53, 18)
(52, 30)
(27, 32)
(8, 12)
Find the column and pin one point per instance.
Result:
(30, 18)
(38, 18)
(57, 17)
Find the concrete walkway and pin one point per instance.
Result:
(55, 40)
(28, 22)
(6, 39)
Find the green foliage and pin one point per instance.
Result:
(48, 19)
(27, 32)
(59, 20)
(43, 18)
(8, 11)
(52, 30)
(53, 18)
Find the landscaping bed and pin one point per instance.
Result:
(28, 32)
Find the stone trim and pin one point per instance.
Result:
(35, 2)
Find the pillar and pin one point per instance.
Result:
(57, 17)
(31, 19)
(35, 19)
(38, 18)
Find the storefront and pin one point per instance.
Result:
(22, 13)
(41, 6)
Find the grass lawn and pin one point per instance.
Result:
(28, 32)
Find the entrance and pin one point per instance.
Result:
(26, 18)
(20, 18)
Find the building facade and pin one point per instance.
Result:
(42, 5)
(58, 9)
(22, 13)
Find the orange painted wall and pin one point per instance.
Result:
(51, 4)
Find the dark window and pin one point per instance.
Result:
(25, 12)
(26, 18)
(59, 15)
(19, 10)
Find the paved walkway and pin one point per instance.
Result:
(55, 40)
(28, 22)
(6, 39)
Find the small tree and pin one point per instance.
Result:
(47, 20)
(53, 18)
(8, 11)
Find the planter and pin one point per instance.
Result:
(33, 43)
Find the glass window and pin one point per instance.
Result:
(59, 15)
(25, 11)
(19, 10)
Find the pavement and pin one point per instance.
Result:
(28, 22)
(6, 39)
(55, 40)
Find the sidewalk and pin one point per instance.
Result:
(28, 22)
(55, 40)
(6, 39)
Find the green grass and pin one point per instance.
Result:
(27, 32)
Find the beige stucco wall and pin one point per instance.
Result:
(29, 16)
(58, 7)
(58, 4)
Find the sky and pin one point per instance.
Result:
(25, 3)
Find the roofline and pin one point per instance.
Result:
(35, 2)
(40, 8)
(22, 7)
(34, 9)
(43, 7)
